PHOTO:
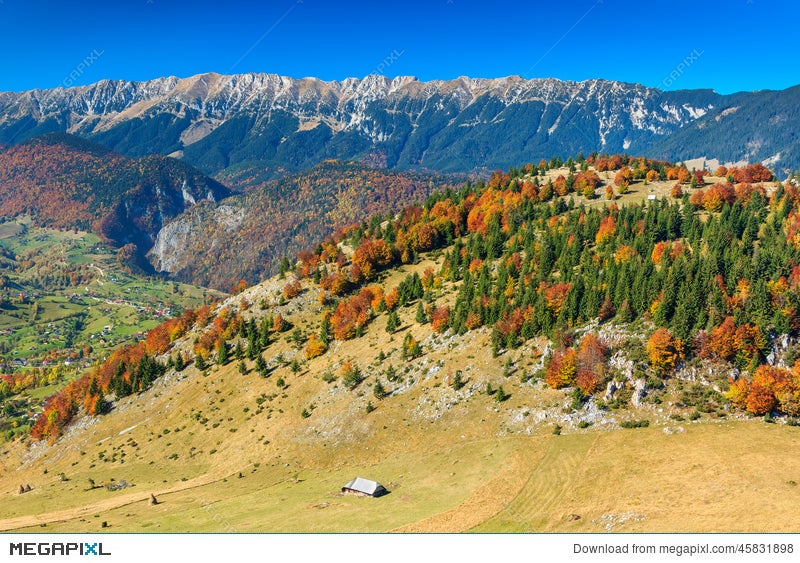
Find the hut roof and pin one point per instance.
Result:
(365, 486)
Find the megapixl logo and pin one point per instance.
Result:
(47, 548)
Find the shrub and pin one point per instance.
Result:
(379, 390)
(635, 423)
(458, 382)
(351, 376)
(315, 347)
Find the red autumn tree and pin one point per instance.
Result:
(440, 317)
(759, 173)
(292, 289)
(352, 314)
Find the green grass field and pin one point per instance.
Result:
(632, 481)
(48, 317)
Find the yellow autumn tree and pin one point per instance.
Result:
(664, 351)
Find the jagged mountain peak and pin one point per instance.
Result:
(216, 121)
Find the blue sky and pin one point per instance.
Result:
(727, 45)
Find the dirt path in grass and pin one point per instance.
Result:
(67, 514)
(531, 482)
(487, 500)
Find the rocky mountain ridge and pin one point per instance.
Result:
(216, 121)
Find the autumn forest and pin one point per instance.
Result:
(709, 274)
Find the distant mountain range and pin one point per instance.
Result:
(276, 124)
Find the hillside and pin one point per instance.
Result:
(608, 348)
(67, 300)
(65, 182)
(246, 236)
(274, 125)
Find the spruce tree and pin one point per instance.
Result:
(392, 322)
(222, 353)
(261, 366)
(421, 317)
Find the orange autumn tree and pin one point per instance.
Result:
(770, 388)
(591, 364)
(292, 289)
(372, 256)
(696, 199)
(391, 299)
(658, 252)
(717, 195)
(555, 296)
(744, 342)
(664, 351)
(587, 180)
(606, 230)
(623, 177)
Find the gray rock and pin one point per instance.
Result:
(639, 392)
(611, 390)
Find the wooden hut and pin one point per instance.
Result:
(364, 487)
